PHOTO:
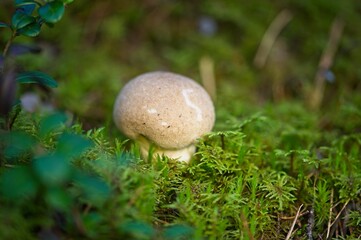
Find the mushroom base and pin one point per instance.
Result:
(183, 154)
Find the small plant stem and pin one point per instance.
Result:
(292, 160)
(330, 215)
(12, 120)
(278, 228)
(79, 222)
(8, 44)
(222, 141)
(246, 226)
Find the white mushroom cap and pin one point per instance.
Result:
(166, 109)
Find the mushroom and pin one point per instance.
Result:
(165, 112)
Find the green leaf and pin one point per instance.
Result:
(53, 170)
(20, 20)
(21, 2)
(72, 145)
(178, 232)
(94, 190)
(36, 77)
(17, 184)
(52, 122)
(31, 30)
(91, 222)
(26, 6)
(58, 198)
(138, 229)
(52, 11)
(4, 25)
(50, 25)
(67, 1)
(16, 143)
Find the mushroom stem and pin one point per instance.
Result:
(150, 151)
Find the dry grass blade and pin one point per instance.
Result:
(294, 223)
(338, 215)
(326, 62)
(206, 68)
(330, 215)
(270, 37)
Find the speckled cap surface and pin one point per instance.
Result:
(168, 109)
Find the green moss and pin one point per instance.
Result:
(247, 182)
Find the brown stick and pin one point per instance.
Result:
(325, 63)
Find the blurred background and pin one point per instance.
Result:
(248, 54)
